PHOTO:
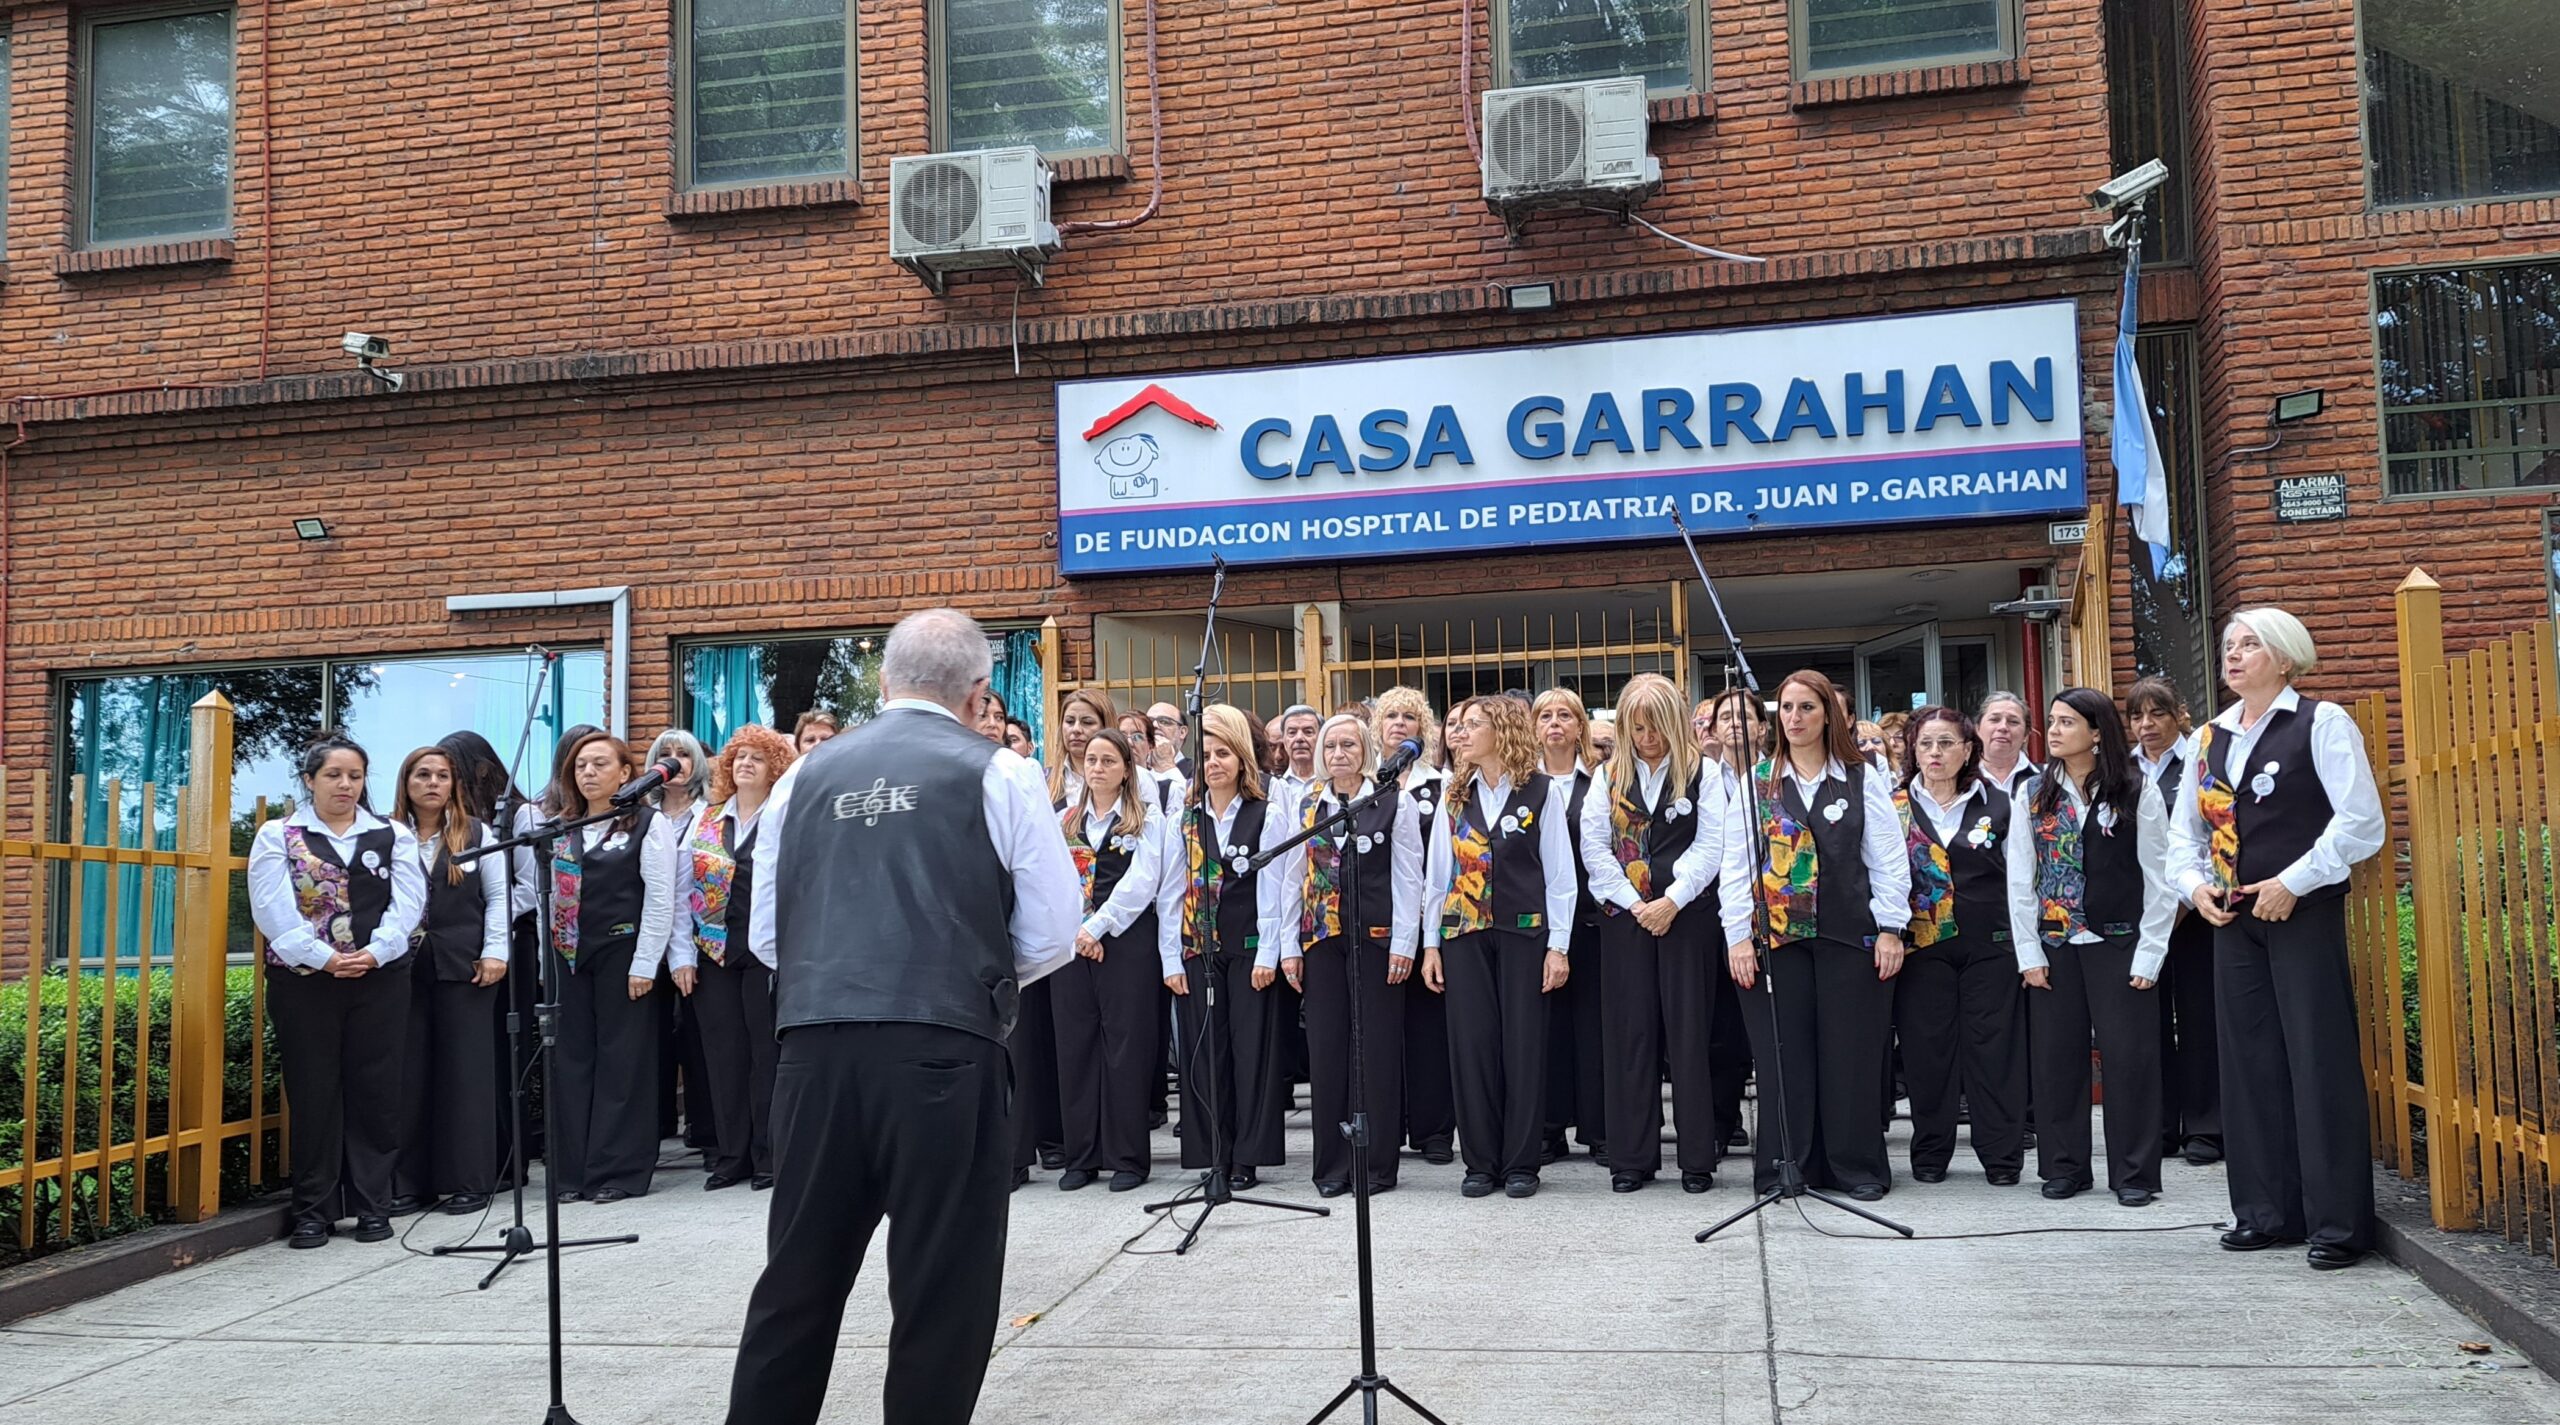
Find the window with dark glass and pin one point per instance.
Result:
(771, 682)
(1560, 41)
(2469, 361)
(1838, 37)
(767, 90)
(156, 101)
(2461, 100)
(1038, 72)
(2146, 114)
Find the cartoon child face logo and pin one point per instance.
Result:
(1127, 460)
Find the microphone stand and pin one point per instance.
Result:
(1369, 1382)
(1790, 1172)
(1213, 1190)
(516, 1241)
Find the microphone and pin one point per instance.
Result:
(661, 772)
(1404, 755)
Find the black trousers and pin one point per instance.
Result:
(1577, 1077)
(1728, 1052)
(1955, 1009)
(1329, 995)
(2190, 1059)
(449, 1124)
(1034, 1047)
(1498, 1047)
(1818, 1019)
(520, 1053)
(1243, 1056)
(340, 1041)
(733, 1003)
(2092, 990)
(1106, 1012)
(1661, 1004)
(2294, 1133)
(903, 1122)
(603, 1095)
(1430, 1100)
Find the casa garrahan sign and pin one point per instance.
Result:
(1961, 415)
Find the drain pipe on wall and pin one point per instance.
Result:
(618, 698)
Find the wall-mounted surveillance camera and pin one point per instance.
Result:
(367, 350)
(2129, 188)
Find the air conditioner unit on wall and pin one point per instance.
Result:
(958, 212)
(1567, 145)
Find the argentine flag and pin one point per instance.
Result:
(2142, 482)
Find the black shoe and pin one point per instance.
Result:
(761, 1182)
(373, 1227)
(1156, 1118)
(571, 1195)
(2327, 1258)
(406, 1205)
(2201, 1151)
(1520, 1185)
(463, 1204)
(2249, 1239)
(1868, 1192)
(1478, 1185)
(2000, 1177)
(1021, 1176)
(2060, 1188)
(1127, 1179)
(1074, 1179)
(1053, 1158)
(1554, 1150)
(1436, 1149)
(1928, 1175)
(1332, 1189)
(1382, 1185)
(1697, 1182)
(1243, 1178)
(606, 1197)
(310, 1232)
(1626, 1182)
(1734, 1137)
(2133, 1197)
(717, 1181)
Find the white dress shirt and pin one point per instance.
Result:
(1274, 930)
(1947, 818)
(1047, 905)
(671, 842)
(657, 896)
(1404, 872)
(2356, 827)
(2150, 849)
(1691, 872)
(278, 914)
(1887, 854)
(1555, 857)
(2008, 785)
(495, 894)
(1142, 885)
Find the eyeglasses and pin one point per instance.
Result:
(1701, 723)
(1166, 721)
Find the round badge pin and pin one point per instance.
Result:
(1835, 811)
(2262, 784)
(1510, 824)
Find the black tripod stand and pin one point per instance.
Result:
(1213, 1191)
(516, 1240)
(1790, 1172)
(1369, 1383)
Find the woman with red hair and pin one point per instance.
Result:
(733, 990)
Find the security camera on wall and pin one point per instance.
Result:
(2128, 189)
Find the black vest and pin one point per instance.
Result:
(610, 890)
(368, 889)
(453, 933)
(1980, 873)
(1842, 906)
(1586, 911)
(1239, 900)
(739, 914)
(2276, 828)
(893, 903)
(1519, 879)
(2173, 774)
(2110, 870)
(1371, 853)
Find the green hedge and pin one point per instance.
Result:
(54, 990)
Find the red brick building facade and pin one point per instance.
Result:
(725, 397)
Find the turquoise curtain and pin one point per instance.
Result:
(1017, 678)
(724, 691)
(134, 730)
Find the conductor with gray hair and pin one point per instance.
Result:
(907, 886)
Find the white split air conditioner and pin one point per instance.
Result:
(957, 212)
(2037, 594)
(1567, 145)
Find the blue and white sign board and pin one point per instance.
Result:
(1963, 415)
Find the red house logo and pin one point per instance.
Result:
(1128, 460)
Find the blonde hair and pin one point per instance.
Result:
(1651, 697)
(1095, 699)
(1515, 747)
(1570, 700)
(1230, 726)
(1404, 699)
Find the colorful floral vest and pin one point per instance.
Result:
(715, 871)
(341, 907)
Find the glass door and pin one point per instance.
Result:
(1897, 672)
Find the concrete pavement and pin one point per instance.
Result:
(1577, 1305)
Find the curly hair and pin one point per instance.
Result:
(1403, 699)
(1515, 748)
(775, 748)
